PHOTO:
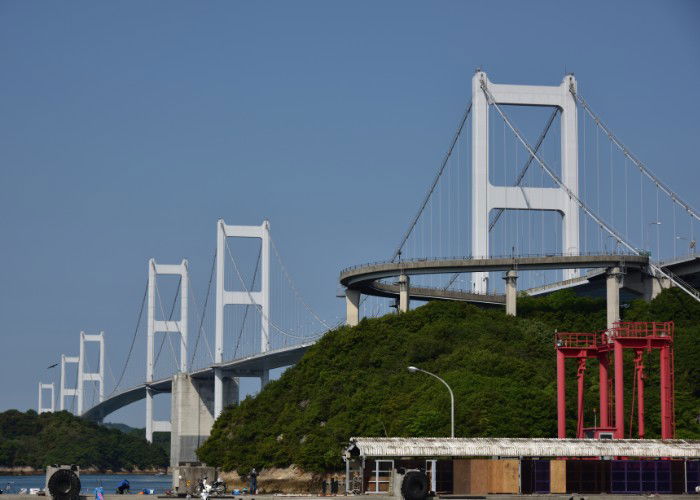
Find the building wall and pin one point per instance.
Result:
(557, 476)
(485, 476)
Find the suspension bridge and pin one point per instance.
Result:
(534, 188)
(262, 310)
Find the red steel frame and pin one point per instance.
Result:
(637, 336)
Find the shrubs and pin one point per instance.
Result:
(29, 439)
(354, 381)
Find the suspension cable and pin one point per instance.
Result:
(204, 309)
(664, 272)
(252, 300)
(133, 339)
(247, 307)
(294, 288)
(170, 317)
(521, 175)
(443, 165)
(667, 190)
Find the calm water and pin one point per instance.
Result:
(90, 481)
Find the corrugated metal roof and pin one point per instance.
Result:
(522, 447)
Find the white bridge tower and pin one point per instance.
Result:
(40, 407)
(165, 326)
(226, 387)
(64, 391)
(487, 197)
(83, 376)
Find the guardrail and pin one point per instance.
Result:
(471, 257)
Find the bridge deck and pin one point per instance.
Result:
(366, 278)
(249, 366)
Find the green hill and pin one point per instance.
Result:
(29, 439)
(354, 381)
(160, 439)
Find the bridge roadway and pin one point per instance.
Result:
(250, 366)
(367, 279)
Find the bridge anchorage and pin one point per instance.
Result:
(575, 201)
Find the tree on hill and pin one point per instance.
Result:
(354, 382)
(29, 439)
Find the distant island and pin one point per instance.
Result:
(29, 442)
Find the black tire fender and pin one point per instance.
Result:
(414, 485)
(64, 484)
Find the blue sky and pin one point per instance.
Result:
(128, 128)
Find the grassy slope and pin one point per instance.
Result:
(354, 381)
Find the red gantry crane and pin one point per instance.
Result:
(636, 336)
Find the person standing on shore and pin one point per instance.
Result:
(253, 481)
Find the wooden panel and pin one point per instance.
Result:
(557, 476)
(479, 480)
(504, 476)
(460, 476)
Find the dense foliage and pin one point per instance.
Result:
(160, 439)
(354, 381)
(29, 439)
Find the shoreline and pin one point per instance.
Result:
(30, 471)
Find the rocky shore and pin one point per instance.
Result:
(290, 480)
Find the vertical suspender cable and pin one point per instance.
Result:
(627, 207)
(658, 228)
(435, 181)
(601, 223)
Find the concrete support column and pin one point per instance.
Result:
(612, 286)
(226, 391)
(192, 414)
(653, 286)
(404, 296)
(352, 307)
(511, 279)
(264, 378)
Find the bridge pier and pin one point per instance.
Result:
(151, 424)
(511, 279)
(226, 391)
(613, 275)
(192, 414)
(352, 307)
(653, 286)
(404, 296)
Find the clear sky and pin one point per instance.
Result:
(128, 128)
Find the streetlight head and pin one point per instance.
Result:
(412, 369)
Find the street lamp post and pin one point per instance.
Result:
(414, 369)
